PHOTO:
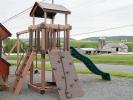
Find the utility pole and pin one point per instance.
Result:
(52, 1)
(52, 18)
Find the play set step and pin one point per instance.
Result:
(22, 72)
(65, 75)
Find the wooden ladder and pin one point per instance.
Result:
(22, 71)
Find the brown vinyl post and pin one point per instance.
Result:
(33, 21)
(18, 45)
(54, 39)
(30, 39)
(43, 60)
(43, 54)
(31, 48)
(0, 47)
(38, 40)
(31, 74)
(66, 19)
(67, 38)
(51, 38)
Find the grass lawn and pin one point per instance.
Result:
(104, 59)
(112, 59)
(101, 59)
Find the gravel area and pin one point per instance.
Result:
(94, 89)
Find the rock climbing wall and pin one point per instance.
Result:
(65, 75)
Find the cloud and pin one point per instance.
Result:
(87, 16)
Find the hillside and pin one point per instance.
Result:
(113, 38)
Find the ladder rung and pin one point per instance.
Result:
(22, 70)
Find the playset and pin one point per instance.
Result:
(45, 39)
(4, 65)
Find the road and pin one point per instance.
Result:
(104, 67)
(110, 67)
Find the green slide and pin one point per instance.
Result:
(89, 64)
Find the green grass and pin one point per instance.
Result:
(101, 59)
(130, 46)
(112, 59)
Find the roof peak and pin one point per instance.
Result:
(40, 7)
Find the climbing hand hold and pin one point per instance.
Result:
(75, 80)
(58, 61)
(70, 63)
(54, 68)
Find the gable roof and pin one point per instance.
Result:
(39, 8)
(116, 45)
(4, 33)
(4, 61)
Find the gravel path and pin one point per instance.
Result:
(94, 89)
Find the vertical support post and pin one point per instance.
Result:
(45, 17)
(43, 60)
(0, 47)
(31, 74)
(64, 40)
(67, 43)
(51, 37)
(52, 1)
(68, 39)
(43, 83)
(33, 21)
(18, 45)
(30, 39)
(30, 49)
(54, 39)
(66, 19)
(38, 40)
(35, 40)
(45, 22)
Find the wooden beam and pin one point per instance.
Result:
(53, 26)
(22, 32)
(18, 48)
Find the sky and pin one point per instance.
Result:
(88, 16)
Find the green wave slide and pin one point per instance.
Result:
(89, 64)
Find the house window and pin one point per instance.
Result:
(117, 49)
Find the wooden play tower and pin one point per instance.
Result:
(4, 65)
(45, 39)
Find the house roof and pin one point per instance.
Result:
(4, 61)
(116, 45)
(39, 8)
(4, 33)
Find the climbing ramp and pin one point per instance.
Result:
(65, 75)
(22, 71)
(89, 64)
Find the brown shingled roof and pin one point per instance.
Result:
(4, 33)
(39, 8)
(4, 61)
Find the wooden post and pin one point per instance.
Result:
(0, 47)
(30, 39)
(66, 19)
(31, 74)
(43, 60)
(43, 83)
(38, 39)
(67, 34)
(33, 21)
(18, 45)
